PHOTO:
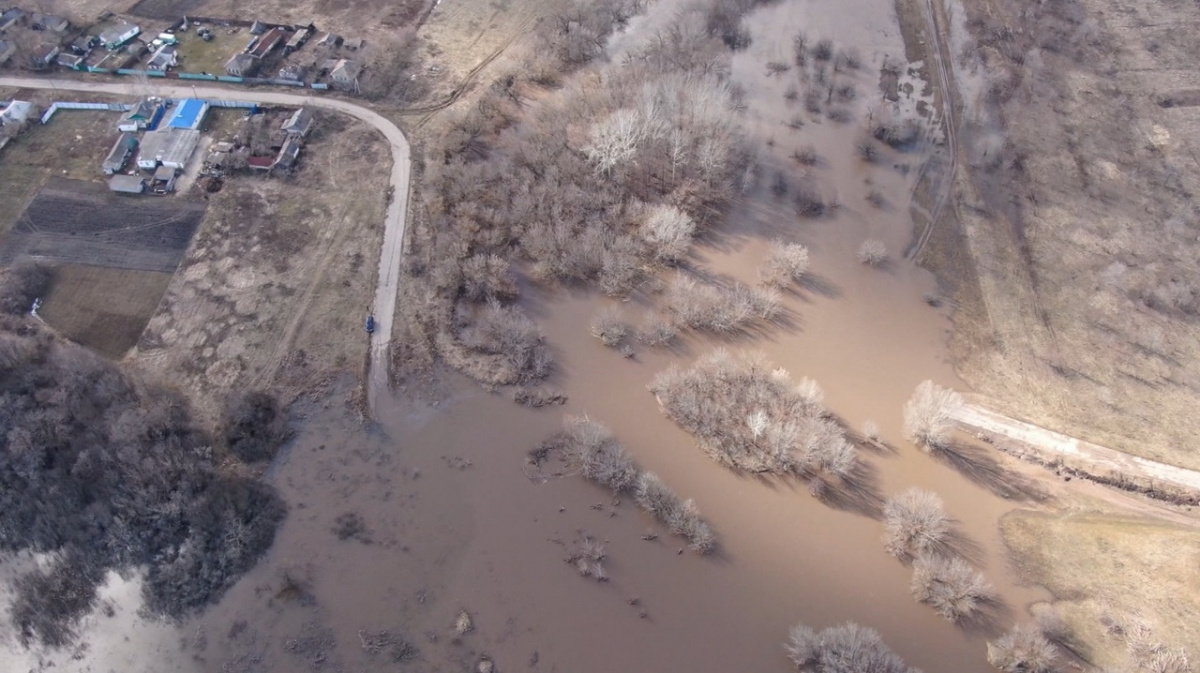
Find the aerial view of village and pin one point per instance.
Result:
(836, 336)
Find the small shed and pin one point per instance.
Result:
(258, 28)
(127, 184)
(330, 40)
(289, 153)
(189, 114)
(119, 35)
(16, 112)
(7, 49)
(267, 42)
(298, 124)
(293, 72)
(165, 58)
(298, 39)
(151, 146)
(73, 61)
(49, 23)
(44, 55)
(145, 115)
(118, 156)
(164, 180)
(242, 65)
(354, 43)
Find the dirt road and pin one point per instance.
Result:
(384, 306)
(1095, 460)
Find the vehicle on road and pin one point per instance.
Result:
(370, 324)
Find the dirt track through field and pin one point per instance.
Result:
(393, 237)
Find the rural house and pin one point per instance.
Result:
(145, 115)
(298, 40)
(289, 153)
(330, 40)
(164, 59)
(293, 72)
(298, 124)
(118, 156)
(43, 55)
(345, 73)
(49, 23)
(73, 61)
(16, 112)
(118, 36)
(242, 65)
(267, 42)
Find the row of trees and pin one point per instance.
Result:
(105, 471)
(591, 447)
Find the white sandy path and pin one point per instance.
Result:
(1052, 443)
(393, 235)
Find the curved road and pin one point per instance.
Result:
(393, 233)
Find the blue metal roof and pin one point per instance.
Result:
(188, 113)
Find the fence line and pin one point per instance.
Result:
(66, 105)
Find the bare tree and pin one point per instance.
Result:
(950, 586)
(848, 648)
(929, 415)
(614, 141)
(669, 232)
(608, 326)
(872, 252)
(657, 330)
(915, 523)
(786, 263)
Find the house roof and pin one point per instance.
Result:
(346, 70)
(298, 122)
(119, 32)
(49, 22)
(130, 184)
(188, 113)
(144, 110)
(163, 56)
(268, 42)
(164, 173)
(16, 111)
(241, 62)
(120, 150)
(179, 146)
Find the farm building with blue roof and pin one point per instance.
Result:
(189, 114)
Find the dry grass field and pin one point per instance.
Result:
(273, 291)
(1079, 218)
(103, 309)
(1109, 573)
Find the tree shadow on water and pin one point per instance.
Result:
(975, 464)
(857, 492)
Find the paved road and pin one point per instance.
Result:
(393, 233)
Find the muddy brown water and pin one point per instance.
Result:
(454, 520)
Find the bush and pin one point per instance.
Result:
(871, 431)
(255, 426)
(504, 347)
(713, 309)
(785, 264)
(915, 523)
(929, 415)
(872, 252)
(897, 134)
(669, 232)
(607, 326)
(657, 330)
(49, 603)
(20, 285)
(1023, 650)
(950, 586)
(823, 50)
(848, 648)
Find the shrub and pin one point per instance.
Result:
(897, 134)
(806, 156)
(785, 264)
(872, 252)
(657, 330)
(49, 604)
(504, 347)
(598, 455)
(713, 309)
(1023, 650)
(654, 496)
(848, 648)
(20, 285)
(255, 426)
(915, 523)
(929, 415)
(607, 326)
(823, 50)
(871, 431)
(950, 586)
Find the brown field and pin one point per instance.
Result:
(103, 309)
(80, 222)
(196, 55)
(1112, 569)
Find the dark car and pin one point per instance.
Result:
(370, 324)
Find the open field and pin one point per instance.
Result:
(104, 309)
(71, 146)
(1077, 318)
(196, 55)
(85, 223)
(1108, 572)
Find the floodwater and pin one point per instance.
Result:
(452, 519)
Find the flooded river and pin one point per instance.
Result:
(440, 514)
